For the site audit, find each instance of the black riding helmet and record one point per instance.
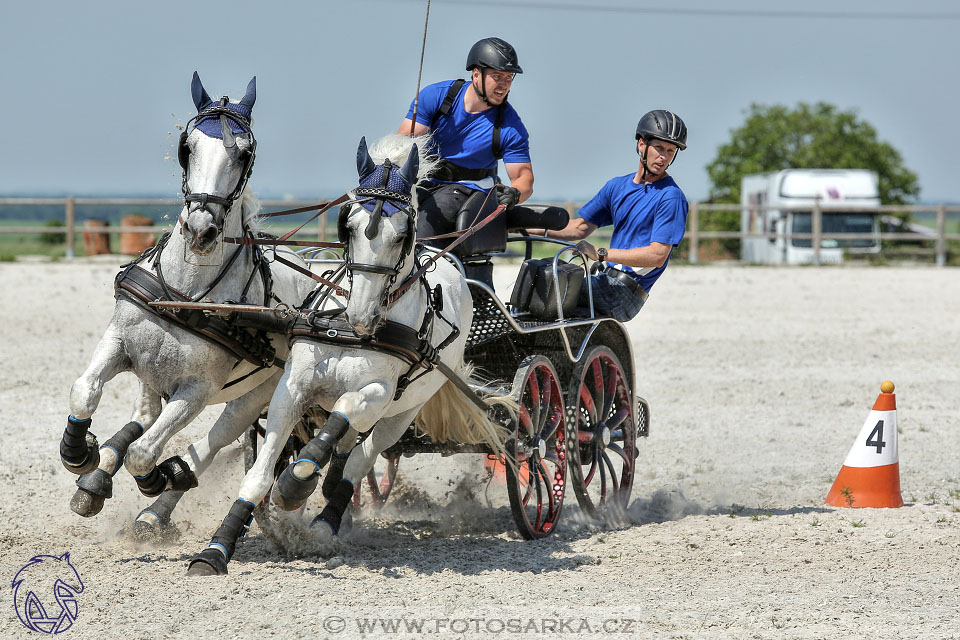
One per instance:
(663, 125)
(493, 53)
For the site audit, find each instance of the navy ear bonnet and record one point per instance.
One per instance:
(385, 177)
(385, 185)
(210, 125)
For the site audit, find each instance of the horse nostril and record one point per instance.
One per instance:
(209, 236)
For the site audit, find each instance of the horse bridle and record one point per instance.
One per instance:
(225, 114)
(403, 202)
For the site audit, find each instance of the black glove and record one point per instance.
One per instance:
(507, 195)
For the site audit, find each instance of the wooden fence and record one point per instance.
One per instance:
(695, 235)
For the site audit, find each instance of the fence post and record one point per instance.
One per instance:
(71, 221)
(941, 234)
(816, 229)
(694, 233)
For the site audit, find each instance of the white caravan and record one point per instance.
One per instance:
(782, 202)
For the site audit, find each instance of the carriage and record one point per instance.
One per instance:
(571, 373)
(346, 372)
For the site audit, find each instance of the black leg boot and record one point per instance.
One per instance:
(213, 560)
(79, 451)
(299, 480)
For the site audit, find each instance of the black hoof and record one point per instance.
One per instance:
(209, 562)
(99, 483)
(86, 504)
(290, 492)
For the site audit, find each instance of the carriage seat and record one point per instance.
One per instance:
(475, 251)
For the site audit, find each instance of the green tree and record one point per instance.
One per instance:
(815, 136)
(808, 137)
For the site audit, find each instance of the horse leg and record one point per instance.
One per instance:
(339, 460)
(94, 488)
(78, 446)
(237, 416)
(153, 521)
(141, 459)
(286, 408)
(299, 480)
(385, 434)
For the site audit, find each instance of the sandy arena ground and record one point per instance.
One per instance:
(759, 380)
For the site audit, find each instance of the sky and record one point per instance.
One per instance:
(94, 91)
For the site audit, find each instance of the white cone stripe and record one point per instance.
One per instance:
(877, 443)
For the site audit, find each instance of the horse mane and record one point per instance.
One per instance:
(396, 147)
(249, 208)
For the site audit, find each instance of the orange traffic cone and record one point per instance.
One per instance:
(870, 476)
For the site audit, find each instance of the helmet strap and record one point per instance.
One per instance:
(643, 159)
(483, 87)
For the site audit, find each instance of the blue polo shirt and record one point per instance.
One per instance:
(640, 214)
(466, 138)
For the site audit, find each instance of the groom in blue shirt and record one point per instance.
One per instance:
(648, 212)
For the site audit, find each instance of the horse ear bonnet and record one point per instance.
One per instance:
(365, 164)
(211, 125)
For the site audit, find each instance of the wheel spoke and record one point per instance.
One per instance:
(587, 404)
(547, 403)
(550, 426)
(603, 478)
(620, 452)
(523, 416)
(548, 485)
(527, 491)
(535, 401)
(618, 418)
(614, 480)
(535, 479)
(596, 369)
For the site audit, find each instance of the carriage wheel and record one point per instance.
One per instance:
(601, 434)
(536, 455)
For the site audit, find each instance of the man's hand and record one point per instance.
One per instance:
(507, 195)
(587, 249)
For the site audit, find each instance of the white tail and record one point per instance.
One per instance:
(449, 416)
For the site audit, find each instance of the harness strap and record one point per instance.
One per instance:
(340, 291)
(447, 104)
(392, 338)
(451, 96)
(497, 124)
(143, 288)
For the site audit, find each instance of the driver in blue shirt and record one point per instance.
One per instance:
(473, 126)
(648, 212)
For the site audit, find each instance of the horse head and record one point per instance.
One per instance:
(216, 155)
(379, 227)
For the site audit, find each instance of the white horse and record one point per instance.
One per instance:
(181, 357)
(358, 386)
